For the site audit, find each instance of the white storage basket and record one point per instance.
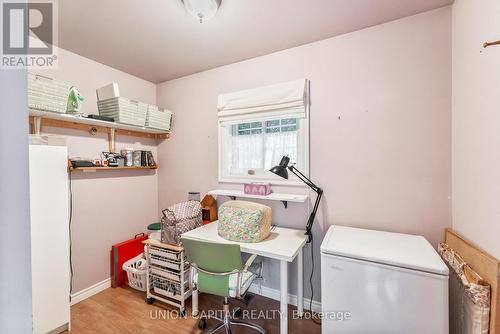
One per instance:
(165, 287)
(124, 110)
(136, 269)
(47, 94)
(158, 118)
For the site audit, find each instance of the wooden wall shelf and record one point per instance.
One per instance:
(39, 119)
(86, 124)
(284, 198)
(102, 169)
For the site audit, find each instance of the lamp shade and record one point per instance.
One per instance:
(202, 9)
(281, 169)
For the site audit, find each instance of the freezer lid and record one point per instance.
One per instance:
(396, 249)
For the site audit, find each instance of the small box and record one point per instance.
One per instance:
(108, 92)
(256, 188)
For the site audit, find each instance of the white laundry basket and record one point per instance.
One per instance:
(136, 272)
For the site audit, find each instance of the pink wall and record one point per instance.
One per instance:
(109, 207)
(476, 119)
(380, 127)
(385, 164)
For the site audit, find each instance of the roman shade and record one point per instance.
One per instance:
(287, 98)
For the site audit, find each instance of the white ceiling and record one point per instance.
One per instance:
(158, 40)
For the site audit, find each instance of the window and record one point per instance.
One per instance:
(258, 126)
(249, 148)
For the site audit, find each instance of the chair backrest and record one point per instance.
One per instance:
(215, 258)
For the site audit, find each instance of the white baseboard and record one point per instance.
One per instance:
(254, 288)
(90, 291)
(275, 294)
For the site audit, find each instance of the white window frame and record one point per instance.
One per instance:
(303, 148)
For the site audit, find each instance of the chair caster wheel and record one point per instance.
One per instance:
(202, 323)
(237, 312)
(150, 300)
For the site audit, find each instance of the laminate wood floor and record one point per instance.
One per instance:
(124, 310)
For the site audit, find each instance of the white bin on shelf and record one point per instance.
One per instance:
(47, 94)
(124, 110)
(108, 92)
(158, 118)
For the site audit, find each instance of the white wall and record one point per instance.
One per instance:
(15, 246)
(476, 123)
(380, 128)
(108, 207)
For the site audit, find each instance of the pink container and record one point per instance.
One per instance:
(254, 188)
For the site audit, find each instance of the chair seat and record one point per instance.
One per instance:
(246, 280)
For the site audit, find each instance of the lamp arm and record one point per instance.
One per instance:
(304, 178)
(319, 191)
(312, 216)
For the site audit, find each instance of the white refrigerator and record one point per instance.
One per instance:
(382, 283)
(49, 212)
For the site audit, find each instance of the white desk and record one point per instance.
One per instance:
(283, 244)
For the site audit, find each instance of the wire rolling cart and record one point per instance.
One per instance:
(167, 274)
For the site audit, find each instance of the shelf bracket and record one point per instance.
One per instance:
(37, 125)
(111, 139)
(487, 44)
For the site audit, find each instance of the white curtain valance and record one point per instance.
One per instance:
(263, 115)
(292, 95)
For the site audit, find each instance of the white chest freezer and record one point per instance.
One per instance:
(381, 282)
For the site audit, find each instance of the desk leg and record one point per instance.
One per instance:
(194, 302)
(284, 297)
(300, 284)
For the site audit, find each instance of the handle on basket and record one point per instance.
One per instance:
(139, 235)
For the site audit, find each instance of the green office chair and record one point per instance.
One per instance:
(217, 269)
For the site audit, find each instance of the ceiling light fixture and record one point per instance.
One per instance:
(202, 9)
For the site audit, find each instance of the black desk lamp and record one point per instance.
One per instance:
(281, 170)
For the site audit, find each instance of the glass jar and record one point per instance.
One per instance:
(137, 158)
(128, 154)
